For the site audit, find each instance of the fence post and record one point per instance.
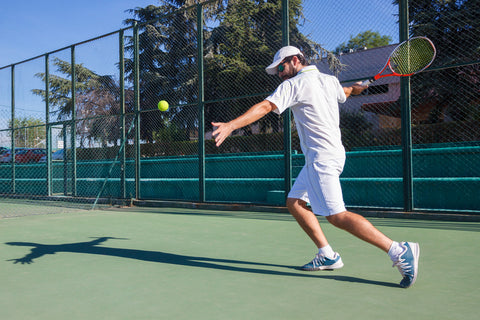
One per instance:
(12, 100)
(65, 159)
(48, 128)
(73, 136)
(287, 129)
(121, 67)
(406, 116)
(136, 88)
(201, 111)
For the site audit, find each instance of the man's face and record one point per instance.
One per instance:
(287, 70)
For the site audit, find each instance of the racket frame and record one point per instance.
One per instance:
(393, 73)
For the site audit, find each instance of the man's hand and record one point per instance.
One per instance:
(253, 114)
(354, 90)
(222, 132)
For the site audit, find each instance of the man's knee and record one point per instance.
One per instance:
(294, 204)
(291, 202)
(338, 219)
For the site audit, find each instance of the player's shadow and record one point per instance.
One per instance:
(92, 247)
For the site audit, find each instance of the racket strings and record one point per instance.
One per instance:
(412, 56)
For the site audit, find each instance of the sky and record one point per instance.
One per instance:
(33, 27)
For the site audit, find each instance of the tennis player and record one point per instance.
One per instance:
(313, 98)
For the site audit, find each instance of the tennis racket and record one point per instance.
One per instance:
(408, 58)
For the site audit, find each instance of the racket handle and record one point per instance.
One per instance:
(367, 82)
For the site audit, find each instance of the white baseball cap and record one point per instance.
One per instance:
(280, 55)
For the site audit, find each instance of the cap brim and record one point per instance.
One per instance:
(272, 69)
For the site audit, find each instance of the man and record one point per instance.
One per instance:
(313, 98)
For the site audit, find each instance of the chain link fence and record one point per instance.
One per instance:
(87, 114)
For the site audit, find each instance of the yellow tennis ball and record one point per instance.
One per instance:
(163, 105)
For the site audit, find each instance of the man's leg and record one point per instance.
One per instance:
(307, 220)
(326, 258)
(361, 228)
(404, 255)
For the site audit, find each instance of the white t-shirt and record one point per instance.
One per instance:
(313, 98)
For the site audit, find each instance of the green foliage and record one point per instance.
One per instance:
(60, 88)
(368, 39)
(96, 95)
(168, 133)
(167, 63)
(356, 130)
(30, 132)
(21, 122)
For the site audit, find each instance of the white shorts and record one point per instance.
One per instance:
(318, 183)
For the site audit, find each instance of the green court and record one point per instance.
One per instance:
(182, 263)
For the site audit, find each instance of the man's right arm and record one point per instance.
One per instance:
(256, 112)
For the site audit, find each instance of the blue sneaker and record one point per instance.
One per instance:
(407, 263)
(320, 262)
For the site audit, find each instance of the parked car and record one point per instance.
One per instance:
(3, 151)
(7, 156)
(57, 155)
(4, 155)
(30, 155)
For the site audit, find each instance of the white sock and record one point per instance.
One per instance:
(327, 251)
(395, 251)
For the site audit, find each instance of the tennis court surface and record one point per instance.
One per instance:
(177, 263)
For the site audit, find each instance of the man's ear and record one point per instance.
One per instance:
(295, 61)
